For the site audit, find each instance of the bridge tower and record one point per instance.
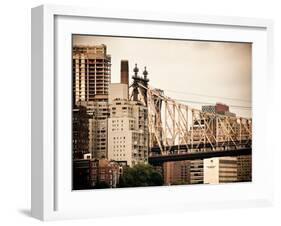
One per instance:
(142, 92)
(140, 85)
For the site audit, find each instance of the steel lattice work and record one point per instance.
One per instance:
(172, 123)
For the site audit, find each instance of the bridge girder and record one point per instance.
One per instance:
(172, 123)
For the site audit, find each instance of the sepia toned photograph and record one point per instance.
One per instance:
(160, 112)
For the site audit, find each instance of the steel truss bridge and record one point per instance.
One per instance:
(178, 131)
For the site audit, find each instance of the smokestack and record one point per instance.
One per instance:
(125, 72)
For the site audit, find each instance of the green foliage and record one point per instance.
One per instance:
(139, 176)
(101, 184)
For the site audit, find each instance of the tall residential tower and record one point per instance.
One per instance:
(91, 78)
(91, 73)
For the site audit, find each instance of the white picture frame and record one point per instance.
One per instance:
(52, 197)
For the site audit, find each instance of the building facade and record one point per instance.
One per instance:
(183, 172)
(196, 171)
(91, 73)
(220, 170)
(244, 168)
(96, 173)
(98, 112)
(104, 173)
(176, 173)
(128, 132)
(91, 78)
(219, 108)
(213, 126)
(127, 126)
(80, 135)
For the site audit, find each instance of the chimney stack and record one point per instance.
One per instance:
(125, 72)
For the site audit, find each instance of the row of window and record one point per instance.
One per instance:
(117, 129)
(117, 146)
(117, 138)
(117, 142)
(119, 155)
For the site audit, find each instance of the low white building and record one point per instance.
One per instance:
(220, 170)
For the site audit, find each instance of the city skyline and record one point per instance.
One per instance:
(205, 72)
(132, 128)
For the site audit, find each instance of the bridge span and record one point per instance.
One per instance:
(160, 159)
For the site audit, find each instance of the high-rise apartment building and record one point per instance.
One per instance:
(220, 170)
(127, 127)
(91, 78)
(91, 73)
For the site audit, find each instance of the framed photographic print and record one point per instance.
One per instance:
(136, 112)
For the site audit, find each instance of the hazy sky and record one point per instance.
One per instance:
(194, 71)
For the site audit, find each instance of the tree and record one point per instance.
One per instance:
(156, 179)
(101, 184)
(140, 175)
